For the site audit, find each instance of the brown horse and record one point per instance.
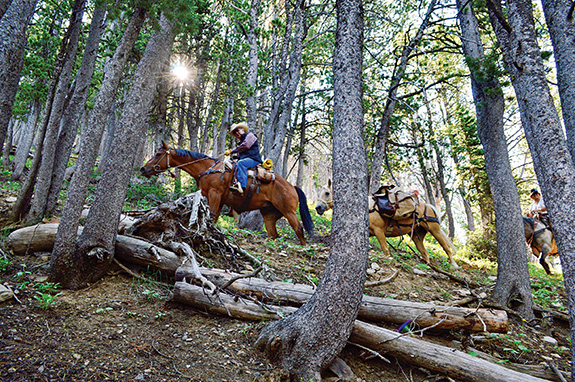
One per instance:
(424, 220)
(274, 200)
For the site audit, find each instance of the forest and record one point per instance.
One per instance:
(122, 226)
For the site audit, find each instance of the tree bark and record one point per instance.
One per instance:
(513, 288)
(459, 365)
(48, 151)
(13, 26)
(554, 168)
(562, 32)
(252, 76)
(22, 205)
(73, 113)
(5, 155)
(25, 141)
(4, 4)
(309, 340)
(276, 128)
(63, 254)
(95, 247)
(399, 71)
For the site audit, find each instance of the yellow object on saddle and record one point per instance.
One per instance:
(268, 164)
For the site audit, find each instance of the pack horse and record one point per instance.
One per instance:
(273, 197)
(423, 220)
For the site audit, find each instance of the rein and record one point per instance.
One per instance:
(158, 168)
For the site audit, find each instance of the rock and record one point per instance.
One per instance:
(419, 272)
(463, 292)
(40, 279)
(370, 271)
(492, 278)
(5, 293)
(482, 295)
(375, 266)
(11, 199)
(550, 340)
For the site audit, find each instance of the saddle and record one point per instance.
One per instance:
(261, 174)
(392, 202)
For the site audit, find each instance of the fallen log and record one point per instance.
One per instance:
(448, 361)
(133, 250)
(372, 308)
(41, 237)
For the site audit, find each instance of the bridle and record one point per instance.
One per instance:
(158, 169)
(328, 203)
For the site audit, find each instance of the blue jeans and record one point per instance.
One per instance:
(242, 168)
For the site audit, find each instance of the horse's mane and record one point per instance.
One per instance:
(192, 154)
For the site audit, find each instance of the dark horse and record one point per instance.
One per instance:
(274, 200)
(541, 240)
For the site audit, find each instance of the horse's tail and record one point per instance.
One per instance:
(304, 211)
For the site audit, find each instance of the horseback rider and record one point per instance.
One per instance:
(248, 152)
(537, 209)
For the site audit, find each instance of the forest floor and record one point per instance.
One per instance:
(125, 329)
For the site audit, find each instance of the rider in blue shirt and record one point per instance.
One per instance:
(248, 152)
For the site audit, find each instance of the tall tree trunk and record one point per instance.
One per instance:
(513, 288)
(63, 255)
(562, 32)
(13, 26)
(4, 4)
(58, 104)
(213, 100)
(399, 71)
(108, 131)
(221, 133)
(95, 247)
(25, 142)
(468, 211)
(301, 157)
(5, 158)
(252, 76)
(279, 80)
(440, 169)
(72, 114)
(20, 208)
(292, 81)
(309, 340)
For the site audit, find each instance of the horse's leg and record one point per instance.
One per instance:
(215, 203)
(435, 230)
(270, 219)
(296, 225)
(377, 228)
(545, 249)
(417, 238)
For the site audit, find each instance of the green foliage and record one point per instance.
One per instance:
(47, 287)
(480, 247)
(546, 289)
(46, 300)
(5, 263)
(146, 194)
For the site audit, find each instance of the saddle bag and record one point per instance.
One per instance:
(261, 174)
(392, 202)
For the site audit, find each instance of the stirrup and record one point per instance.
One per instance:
(237, 187)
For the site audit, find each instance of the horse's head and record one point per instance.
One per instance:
(324, 199)
(160, 162)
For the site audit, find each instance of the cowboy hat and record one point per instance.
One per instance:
(241, 125)
(533, 192)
